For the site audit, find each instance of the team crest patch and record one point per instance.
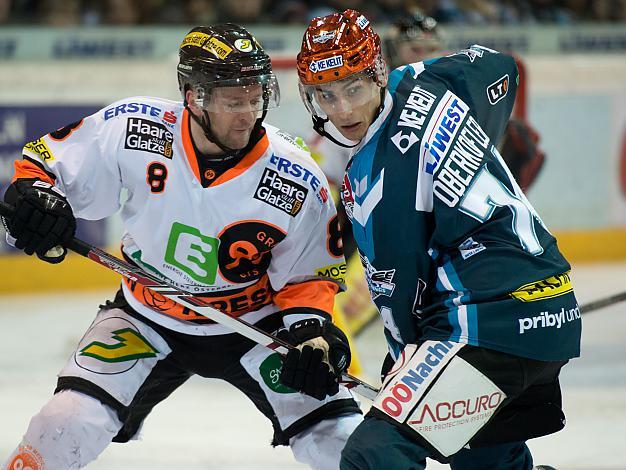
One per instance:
(279, 192)
(149, 136)
(380, 282)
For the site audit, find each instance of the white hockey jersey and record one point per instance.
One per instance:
(262, 237)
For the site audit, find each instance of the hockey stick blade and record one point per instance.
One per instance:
(195, 303)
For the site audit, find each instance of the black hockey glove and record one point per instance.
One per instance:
(43, 222)
(321, 355)
(520, 150)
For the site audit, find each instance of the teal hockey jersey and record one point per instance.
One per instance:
(452, 248)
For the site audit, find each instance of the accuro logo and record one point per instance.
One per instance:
(326, 64)
(466, 409)
(498, 89)
(281, 193)
(149, 136)
(553, 286)
(549, 320)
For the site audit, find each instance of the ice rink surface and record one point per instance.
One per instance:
(210, 425)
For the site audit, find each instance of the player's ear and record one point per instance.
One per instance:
(190, 98)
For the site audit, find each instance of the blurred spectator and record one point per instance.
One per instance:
(460, 12)
(200, 12)
(241, 11)
(60, 12)
(121, 12)
(5, 11)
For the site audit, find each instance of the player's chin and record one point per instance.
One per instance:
(239, 139)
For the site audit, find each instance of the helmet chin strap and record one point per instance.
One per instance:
(318, 123)
(318, 126)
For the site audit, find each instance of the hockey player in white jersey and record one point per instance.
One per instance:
(218, 204)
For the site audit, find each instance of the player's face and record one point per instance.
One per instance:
(233, 113)
(350, 104)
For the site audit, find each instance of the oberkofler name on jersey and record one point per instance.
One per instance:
(459, 168)
(149, 136)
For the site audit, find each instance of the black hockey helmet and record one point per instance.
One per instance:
(416, 29)
(225, 55)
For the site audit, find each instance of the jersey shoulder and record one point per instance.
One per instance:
(291, 156)
(168, 112)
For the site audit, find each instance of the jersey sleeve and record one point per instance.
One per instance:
(307, 267)
(81, 160)
(486, 80)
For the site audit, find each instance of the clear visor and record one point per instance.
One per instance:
(341, 96)
(240, 95)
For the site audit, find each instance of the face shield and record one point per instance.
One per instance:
(340, 96)
(239, 95)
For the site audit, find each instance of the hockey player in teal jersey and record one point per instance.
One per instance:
(479, 311)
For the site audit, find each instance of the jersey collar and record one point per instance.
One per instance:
(377, 124)
(246, 162)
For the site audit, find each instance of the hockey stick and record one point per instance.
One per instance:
(601, 303)
(195, 303)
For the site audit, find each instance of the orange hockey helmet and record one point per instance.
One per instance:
(337, 46)
(336, 49)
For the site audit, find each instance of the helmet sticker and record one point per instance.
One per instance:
(362, 22)
(326, 64)
(195, 38)
(243, 45)
(324, 36)
(218, 48)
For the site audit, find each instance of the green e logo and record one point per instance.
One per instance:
(192, 252)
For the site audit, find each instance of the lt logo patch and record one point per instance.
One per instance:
(130, 345)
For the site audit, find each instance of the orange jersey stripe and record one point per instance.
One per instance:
(251, 157)
(234, 303)
(318, 294)
(188, 145)
(27, 169)
(246, 162)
